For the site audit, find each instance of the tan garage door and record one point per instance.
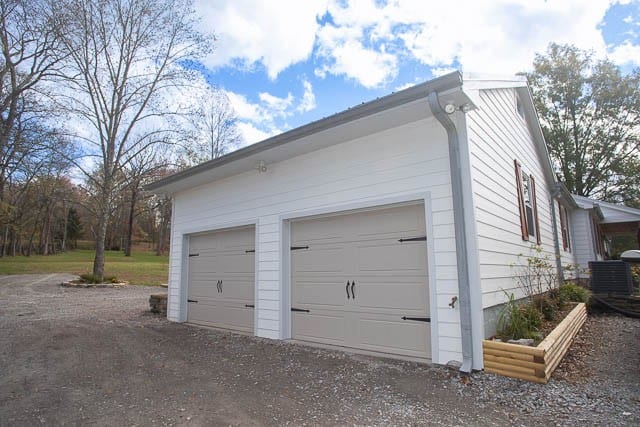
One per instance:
(222, 279)
(359, 280)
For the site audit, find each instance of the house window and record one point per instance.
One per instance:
(526, 188)
(564, 227)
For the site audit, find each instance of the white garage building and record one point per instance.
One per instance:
(389, 228)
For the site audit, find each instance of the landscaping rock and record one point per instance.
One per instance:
(158, 303)
(523, 341)
(81, 284)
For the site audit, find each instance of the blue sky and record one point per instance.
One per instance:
(285, 63)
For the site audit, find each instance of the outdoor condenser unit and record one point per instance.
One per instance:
(611, 277)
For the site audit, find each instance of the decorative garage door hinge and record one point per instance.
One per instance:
(191, 300)
(295, 248)
(249, 305)
(299, 309)
(414, 239)
(190, 255)
(249, 251)
(417, 319)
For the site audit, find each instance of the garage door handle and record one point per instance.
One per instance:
(219, 285)
(418, 319)
(347, 288)
(353, 291)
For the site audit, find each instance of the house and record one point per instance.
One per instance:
(595, 223)
(390, 228)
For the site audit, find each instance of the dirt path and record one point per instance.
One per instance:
(95, 356)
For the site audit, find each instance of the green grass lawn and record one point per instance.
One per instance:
(142, 268)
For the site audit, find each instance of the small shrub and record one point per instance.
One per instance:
(557, 298)
(518, 321)
(90, 278)
(574, 293)
(635, 276)
(547, 305)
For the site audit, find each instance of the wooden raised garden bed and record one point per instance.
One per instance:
(534, 363)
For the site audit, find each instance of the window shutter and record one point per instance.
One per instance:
(563, 227)
(566, 227)
(523, 215)
(534, 202)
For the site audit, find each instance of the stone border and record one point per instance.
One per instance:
(79, 284)
(534, 364)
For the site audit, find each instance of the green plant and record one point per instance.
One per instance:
(518, 321)
(537, 274)
(547, 304)
(572, 292)
(635, 274)
(90, 278)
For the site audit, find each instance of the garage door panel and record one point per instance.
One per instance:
(237, 263)
(318, 294)
(236, 317)
(204, 311)
(395, 336)
(239, 288)
(327, 328)
(406, 298)
(319, 259)
(203, 288)
(396, 257)
(318, 231)
(398, 222)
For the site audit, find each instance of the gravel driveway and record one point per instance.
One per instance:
(96, 356)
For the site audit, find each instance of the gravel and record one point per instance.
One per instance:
(96, 356)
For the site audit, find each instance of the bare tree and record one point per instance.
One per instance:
(140, 171)
(214, 129)
(125, 56)
(29, 54)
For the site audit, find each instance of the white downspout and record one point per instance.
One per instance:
(464, 297)
(556, 242)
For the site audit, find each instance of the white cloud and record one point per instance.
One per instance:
(258, 120)
(308, 101)
(251, 134)
(344, 54)
(276, 104)
(494, 36)
(369, 40)
(276, 34)
(626, 53)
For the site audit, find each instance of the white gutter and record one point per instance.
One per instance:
(462, 258)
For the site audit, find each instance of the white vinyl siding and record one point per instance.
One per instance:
(498, 135)
(407, 160)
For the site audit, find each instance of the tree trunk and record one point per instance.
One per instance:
(63, 245)
(98, 262)
(132, 210)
